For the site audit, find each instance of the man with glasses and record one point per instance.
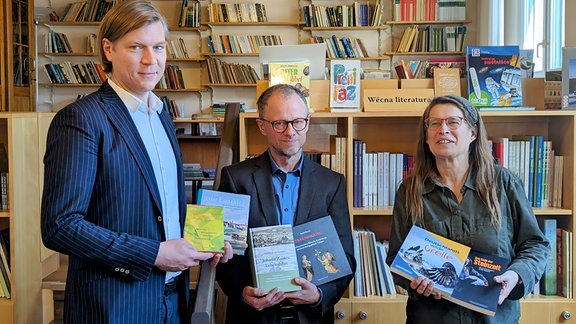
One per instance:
(285, 188)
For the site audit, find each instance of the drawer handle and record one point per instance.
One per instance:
(566, 315)
(363, 315)
(340, 314)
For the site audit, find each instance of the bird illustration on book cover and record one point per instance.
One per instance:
(445, 275)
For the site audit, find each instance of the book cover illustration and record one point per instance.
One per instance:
(425, 254)
(293, 73)
(236, 212)
(345, 85)
(273, 258)
(569, 77)
(476, 288)
(319, 251)
(494, 76)
(204, 227)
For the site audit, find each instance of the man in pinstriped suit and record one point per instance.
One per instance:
(114, 197)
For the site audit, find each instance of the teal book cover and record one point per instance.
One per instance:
(236, 210)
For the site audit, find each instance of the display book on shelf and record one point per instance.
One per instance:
(557, 126)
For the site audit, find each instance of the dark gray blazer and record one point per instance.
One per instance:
(322, 192)
(101, 206)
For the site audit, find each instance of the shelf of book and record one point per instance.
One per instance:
(558, 126)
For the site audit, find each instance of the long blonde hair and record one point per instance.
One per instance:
(479, 157)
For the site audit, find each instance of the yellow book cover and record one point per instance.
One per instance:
(447, 81)
(204, 227)
(293, 73)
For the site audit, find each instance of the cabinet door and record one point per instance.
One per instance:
(20, 67)
(376, 312)
(562, 312)
(343, 312)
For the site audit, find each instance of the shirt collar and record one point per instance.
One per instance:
(275, 168)
(469, 183)
(133, 103)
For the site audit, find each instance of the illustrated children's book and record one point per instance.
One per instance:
(320, 254)
(236, 211)
(273, 258)
(204, 227)
(494, 76)
(345, 85)
(293, 73)
(476, 288)
(460, 274)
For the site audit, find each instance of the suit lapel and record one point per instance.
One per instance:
(263, 184)
(306, 194)
(118, 116)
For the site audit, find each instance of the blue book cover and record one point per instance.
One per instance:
(236, 211)
(548, 283)
(531, 139)
(320, 253)
(538, 169)
(494, 76)
(476, 288)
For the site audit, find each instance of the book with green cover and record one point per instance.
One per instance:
(273, 258)
(204, 227)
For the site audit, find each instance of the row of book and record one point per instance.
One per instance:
(4, 201)
(557, 277)
(429, 10)
(81, 73)
(241, 43)
(372, 276)
(176, 48)
(55, 42)
(357, 14)
(189, 14)
(90, 10)
(535, 162)
(176, 77)
(342, 47)
(5, 274)
(237, 12)
(421, 69)
(432, 39)
(221, 72)
(377, 175)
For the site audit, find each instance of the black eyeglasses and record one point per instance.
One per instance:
(280, 125)
(453, 122)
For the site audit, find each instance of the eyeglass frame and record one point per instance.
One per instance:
(444, 121)
(288, 122)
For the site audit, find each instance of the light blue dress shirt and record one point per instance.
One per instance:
(286, 187)
(147, 120)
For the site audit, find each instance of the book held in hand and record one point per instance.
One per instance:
(311, 250)
(320, 253)
(236, 210)
(460, 274)
(273, 258)
(204, 227)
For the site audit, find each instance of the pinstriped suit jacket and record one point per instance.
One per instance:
(322, 192)
(101, 206)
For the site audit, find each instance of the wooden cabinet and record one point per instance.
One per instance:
(20, 134)
(395, 132)
(18, 60)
